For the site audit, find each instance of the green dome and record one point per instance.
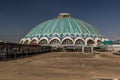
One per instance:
(63, 26)
(64, 30)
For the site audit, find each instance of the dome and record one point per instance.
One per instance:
(61, 28)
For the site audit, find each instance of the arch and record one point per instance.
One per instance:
(35, 38)
(43, 42)
(43, 39)
(34, 41)
(79, 41)
(55, 42)
(54, 39)
(67, 38)
(67, 41)
(27, 41)
(22, 41)
(98, 41)
(90, 41)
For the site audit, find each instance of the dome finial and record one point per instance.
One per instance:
(61, 15)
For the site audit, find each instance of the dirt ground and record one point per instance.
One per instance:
(62, 66)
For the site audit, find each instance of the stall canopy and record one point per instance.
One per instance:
(107, 42)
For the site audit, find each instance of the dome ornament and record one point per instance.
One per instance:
(61, 15)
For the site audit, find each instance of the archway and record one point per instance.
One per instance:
(33, 42)
(22, 42)
(26, 42)
(79, 42)
(54, 42)
(90, 42)
(99, 42)
(67, 42)
(43, 42)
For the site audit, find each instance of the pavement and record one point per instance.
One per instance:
(62, 66)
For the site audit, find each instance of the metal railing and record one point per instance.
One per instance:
(14, 51)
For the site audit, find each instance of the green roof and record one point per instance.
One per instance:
(65, 26)
(107, 42)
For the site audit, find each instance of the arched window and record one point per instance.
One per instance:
(99, 42)
(43, 42)
(33, 42)
(26, 42)
(54, 42)
(90, 42)
(67, 42)
(21, 42)
(79, 42)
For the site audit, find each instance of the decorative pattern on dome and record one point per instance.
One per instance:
(64, 30)
(62, 27)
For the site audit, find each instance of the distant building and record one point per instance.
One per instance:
(64, 30)
(112, 45)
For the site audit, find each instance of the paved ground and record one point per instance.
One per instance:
(61, 66)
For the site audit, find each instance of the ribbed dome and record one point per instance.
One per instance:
(64, 30)
(64, 26)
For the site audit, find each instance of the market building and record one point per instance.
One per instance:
(64, 30)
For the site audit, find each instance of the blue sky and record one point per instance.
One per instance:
(18, 17)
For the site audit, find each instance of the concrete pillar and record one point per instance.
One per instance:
(92, 49)
(83, 51)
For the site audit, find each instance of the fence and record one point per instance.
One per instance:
(14, 51)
